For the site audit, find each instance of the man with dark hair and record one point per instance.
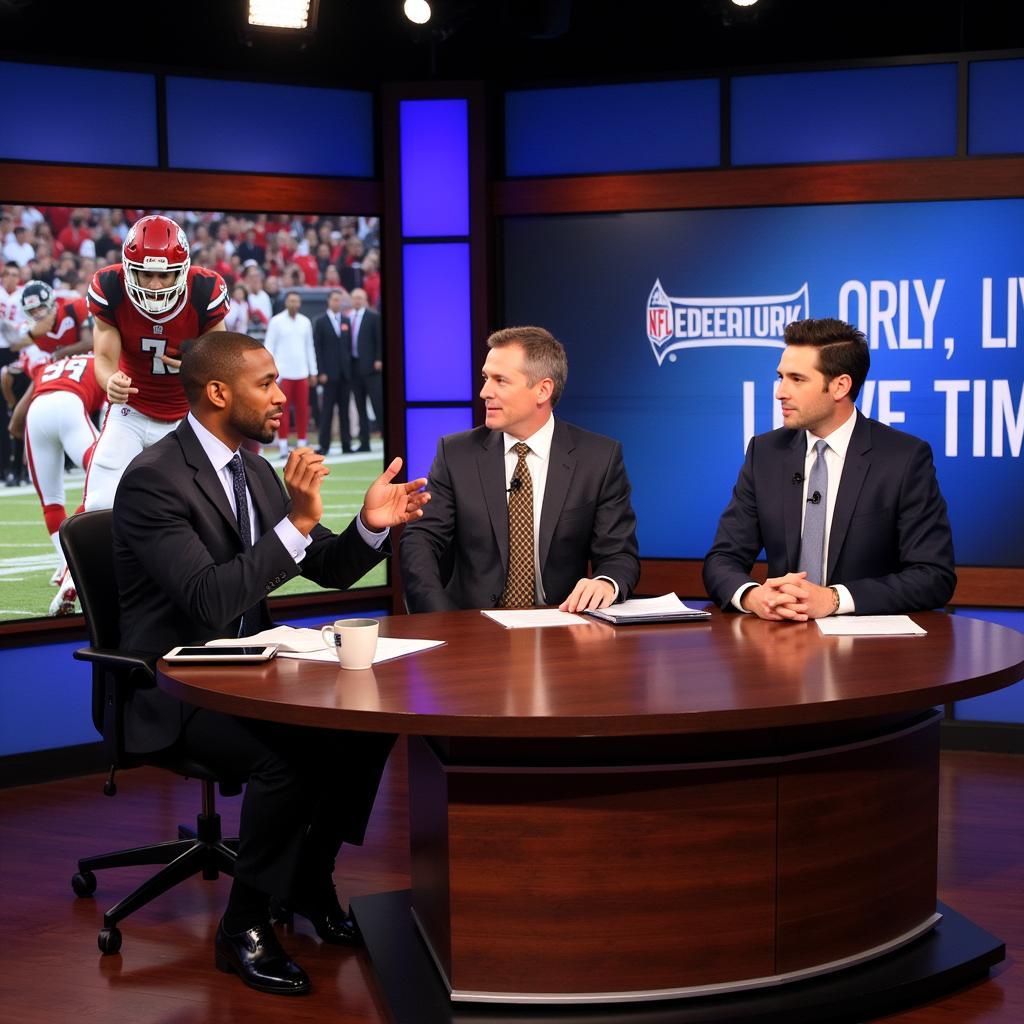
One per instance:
(527, 509)
(332, 339)
(848, 511)
(203, 531)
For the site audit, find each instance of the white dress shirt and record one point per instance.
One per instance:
(290, 341)
(835, 460)
(294, 541)
(538, 459)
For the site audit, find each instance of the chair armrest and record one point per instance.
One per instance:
(126, 661)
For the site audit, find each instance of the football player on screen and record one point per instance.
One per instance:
(55, 418)
(145, 308)
(60, 326)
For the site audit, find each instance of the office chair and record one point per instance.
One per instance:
(88, 545)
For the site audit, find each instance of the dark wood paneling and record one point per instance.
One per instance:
(53, 184)
(611, 881)
(857, 848)
(428, 846)
(888, 181)
(977, 587)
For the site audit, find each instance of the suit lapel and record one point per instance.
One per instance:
(206, 478)
(792, 496)
(261, 500)
(491, 464)
(855, 469)
(561, 466)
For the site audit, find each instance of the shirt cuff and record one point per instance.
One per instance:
(295, 541)
(375, 540)
(615, 586)
(846, 605)
(738, 597)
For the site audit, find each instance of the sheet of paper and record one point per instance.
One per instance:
(532, 618)
(664, 605)
(388, 648)
(870, 625)
(288, 638)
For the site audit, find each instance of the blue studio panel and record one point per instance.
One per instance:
(423, 427)
(299, 130)
(1003, 705)
(98, 137)
(434, 141)
(46, 697)
(612, 128)
(862, 114)
(995, 119)
(438, 328)
(673, 326)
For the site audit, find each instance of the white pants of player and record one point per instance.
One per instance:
(57, 424)
(126, 432)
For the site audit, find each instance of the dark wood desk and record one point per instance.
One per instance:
(663, 812)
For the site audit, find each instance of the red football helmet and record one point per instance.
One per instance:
(155, 245)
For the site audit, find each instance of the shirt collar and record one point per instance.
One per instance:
(216, 450)
(839, 439)
(539, 441)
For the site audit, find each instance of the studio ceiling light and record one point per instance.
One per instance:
(298, 15)
(417, 11)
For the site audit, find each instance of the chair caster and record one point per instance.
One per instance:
(109, 941)
(84, 883)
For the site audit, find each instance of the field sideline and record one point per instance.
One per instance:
(27, 558)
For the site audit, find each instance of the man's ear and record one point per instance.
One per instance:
(545, 389)
(840, 386)
(218, 394)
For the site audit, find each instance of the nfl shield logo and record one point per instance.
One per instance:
(659, 315)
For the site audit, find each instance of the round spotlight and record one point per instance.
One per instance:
(417, 11)
(744, 3)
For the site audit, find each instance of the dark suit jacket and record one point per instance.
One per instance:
(371, 341)
(586, 517)
(890, 543)
(333, 351)
(181, 571)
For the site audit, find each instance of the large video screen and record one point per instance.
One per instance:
(673, 324)
(262, 257)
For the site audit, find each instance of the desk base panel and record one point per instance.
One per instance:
(955, 952)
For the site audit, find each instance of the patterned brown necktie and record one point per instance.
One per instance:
(519, 590)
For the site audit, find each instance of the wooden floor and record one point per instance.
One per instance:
(52, 972)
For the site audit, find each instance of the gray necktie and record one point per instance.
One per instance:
(251, 618)
(812, 545)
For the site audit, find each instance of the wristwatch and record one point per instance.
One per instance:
(835, 601)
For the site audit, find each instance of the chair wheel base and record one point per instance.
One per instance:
(83, 883)
(109, 941)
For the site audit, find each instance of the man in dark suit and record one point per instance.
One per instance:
(521, 505)
(332, 339)
(367, 364)
(848, 511)
(203, 532)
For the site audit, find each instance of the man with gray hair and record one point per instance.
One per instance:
(526, 510)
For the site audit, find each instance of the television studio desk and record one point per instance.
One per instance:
(738, 817)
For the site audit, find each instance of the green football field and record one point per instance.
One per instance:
(27, 557)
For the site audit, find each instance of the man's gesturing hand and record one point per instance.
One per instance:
(303, 473)
(119, 387)
(389, 504)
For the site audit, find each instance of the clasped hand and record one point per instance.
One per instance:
(789, 598)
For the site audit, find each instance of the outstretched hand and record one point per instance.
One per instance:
(390, 504)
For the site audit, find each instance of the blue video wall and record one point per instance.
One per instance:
(673, 324)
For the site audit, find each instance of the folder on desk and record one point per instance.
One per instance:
(667, 608)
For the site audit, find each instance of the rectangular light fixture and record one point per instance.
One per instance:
(297, 15)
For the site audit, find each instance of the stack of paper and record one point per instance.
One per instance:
(532, 618)
(870, 625)
(667, 608)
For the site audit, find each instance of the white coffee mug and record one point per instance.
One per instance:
(353, 640)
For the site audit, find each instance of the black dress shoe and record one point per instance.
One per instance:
(257, 958)
(329, 921)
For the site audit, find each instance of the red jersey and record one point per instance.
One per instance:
(144, 339)
(72, 316)
(72, 373)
